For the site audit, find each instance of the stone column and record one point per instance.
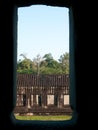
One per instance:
(60, 100)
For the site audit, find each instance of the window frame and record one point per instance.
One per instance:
(38, 124)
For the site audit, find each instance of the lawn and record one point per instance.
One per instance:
(44, 118)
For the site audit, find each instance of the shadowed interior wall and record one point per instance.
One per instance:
(83, 36)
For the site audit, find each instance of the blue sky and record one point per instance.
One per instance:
(42, 29)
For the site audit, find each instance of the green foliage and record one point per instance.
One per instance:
(64, 61)
(49, 70)
(44, 65)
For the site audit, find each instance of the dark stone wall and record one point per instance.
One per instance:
(84, 18)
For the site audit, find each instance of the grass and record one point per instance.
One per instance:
(44, 118)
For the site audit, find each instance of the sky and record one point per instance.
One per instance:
(41, 30)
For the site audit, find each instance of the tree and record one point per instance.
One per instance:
(37, 62)
(24, 65)
(64, 61)
(23, 55)
(48, 59)
(44, 65)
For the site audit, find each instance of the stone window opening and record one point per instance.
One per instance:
(14, 45)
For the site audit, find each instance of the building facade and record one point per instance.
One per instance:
(43, 94)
